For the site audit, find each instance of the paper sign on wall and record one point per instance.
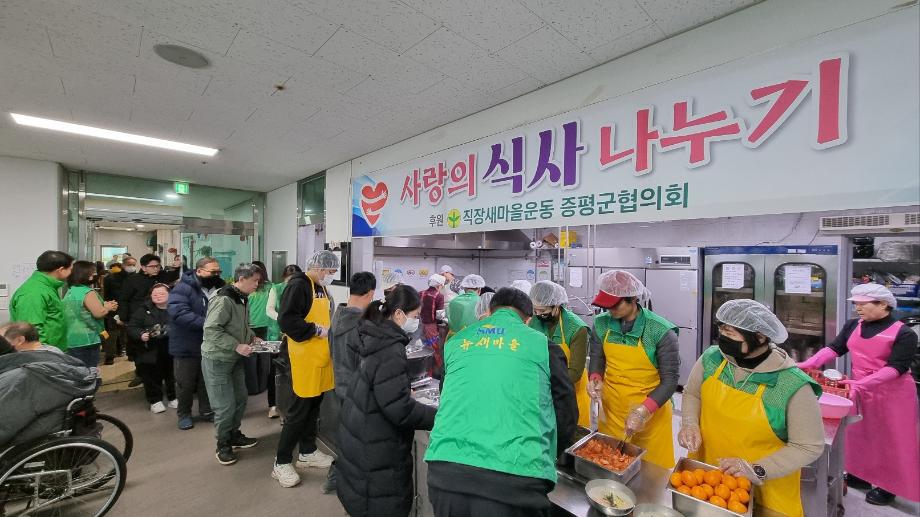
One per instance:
(575, 277)
(798, 279)
(732, 276)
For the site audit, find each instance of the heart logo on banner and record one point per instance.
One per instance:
(373, 199)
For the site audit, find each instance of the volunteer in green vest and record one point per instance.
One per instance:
(495, 458)
(634, 367)
(258, 302)
(748, 409)
(272, 306)
(38, 299)
(461, 311)
(564, 328)
(84, 313)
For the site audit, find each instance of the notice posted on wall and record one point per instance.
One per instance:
(576, 275)
(798, 279)
(732, 276)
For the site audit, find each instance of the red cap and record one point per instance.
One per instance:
(605, 300)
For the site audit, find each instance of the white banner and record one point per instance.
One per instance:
(830, 123)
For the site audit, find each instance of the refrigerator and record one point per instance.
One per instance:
(798, 283)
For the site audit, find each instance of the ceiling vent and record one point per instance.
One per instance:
(871, 223)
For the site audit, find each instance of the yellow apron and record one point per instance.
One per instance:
(629, 377)
(311, 362)
(581, 387)
(734, 425)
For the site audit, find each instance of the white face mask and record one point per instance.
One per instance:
(130, 269)
(410, 325)
(326, 281)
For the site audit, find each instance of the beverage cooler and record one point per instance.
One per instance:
(798, 283)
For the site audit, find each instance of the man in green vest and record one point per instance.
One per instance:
(493, 446)
(38, 299)
(461, 311)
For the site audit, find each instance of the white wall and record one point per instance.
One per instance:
(28, 218)
(281, 223)
(135, 241)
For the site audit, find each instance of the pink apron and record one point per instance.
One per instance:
(884, 448)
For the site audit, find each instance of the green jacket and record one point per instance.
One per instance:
(257, 303)
(461, 312)
(82, 328)
(496, 408)
(226, 325)
(38, 301)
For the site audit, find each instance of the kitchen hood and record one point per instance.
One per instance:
(511, 240)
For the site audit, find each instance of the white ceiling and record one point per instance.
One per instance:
(358, 74)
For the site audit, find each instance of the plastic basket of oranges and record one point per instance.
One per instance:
(705, 491)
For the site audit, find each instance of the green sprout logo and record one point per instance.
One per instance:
(453, 218)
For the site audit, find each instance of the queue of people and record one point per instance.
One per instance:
(747, 406)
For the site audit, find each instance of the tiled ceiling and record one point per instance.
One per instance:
(357, 75)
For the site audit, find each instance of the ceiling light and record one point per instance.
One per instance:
(129, 229)
(172, 196)
(140, 226)
(129, 198)
(78, 129)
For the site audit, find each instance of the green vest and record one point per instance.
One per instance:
(38, 301)
(570, 322)
(257, 303)
(461, 312)
(274, 331)
(82, 328)
(781, 385)
(648, 326)
(496, 409)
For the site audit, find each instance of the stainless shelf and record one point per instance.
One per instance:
(805, 332)
(816, 294)
(749, 290)
(880, 261)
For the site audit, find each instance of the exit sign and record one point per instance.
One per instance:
(181, 187)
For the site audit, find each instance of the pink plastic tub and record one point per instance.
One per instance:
(834, 406)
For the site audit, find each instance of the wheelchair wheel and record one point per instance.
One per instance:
(116, 433)
(72, 476)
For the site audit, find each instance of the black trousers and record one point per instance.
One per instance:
(156, 374)
(190, 382)
(455, 504)
(299, 428)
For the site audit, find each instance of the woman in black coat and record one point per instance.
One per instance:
(379, 418)
(148, 330)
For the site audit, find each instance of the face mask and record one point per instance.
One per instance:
(130, 269)
(326, 281)
(546, 318)
(730, 347)
(410, 326)
(210, 282)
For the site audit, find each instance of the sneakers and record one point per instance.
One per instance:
(174, 403)
(240, 441)
(225, 454)
(135, 382)
(185, 423)
(286, 475)
(157, 407)
(330, 485)
(273, 412)
(315, 459)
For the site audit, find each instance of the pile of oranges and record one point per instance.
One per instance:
(722, 490)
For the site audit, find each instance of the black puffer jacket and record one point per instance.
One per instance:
(378, 423)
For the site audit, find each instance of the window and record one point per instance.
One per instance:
(311, 194)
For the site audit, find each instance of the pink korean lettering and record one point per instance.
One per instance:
(641, 155)
(696, 134)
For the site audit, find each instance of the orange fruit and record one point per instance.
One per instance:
(700, 476)
(718, 501)
(723, 491)
(713, 478)
(709, 490)
(730, 482)
(684, 489)
(737, 507)
(733, 497)
(688, 478)
(698, 493)
(743, 495)
(676, 481)
(744, 483)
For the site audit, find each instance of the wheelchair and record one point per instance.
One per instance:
(73, 472)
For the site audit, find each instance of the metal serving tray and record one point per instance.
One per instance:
(591, 470)
(693, 507)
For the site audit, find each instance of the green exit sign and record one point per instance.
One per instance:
(181, 187)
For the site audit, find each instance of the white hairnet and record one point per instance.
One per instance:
(548, 294)
(752, 316)
(473, 282)
(873, 293)
(482, 306)
(623, 284)
(323, 260)
(447, 269)
(391, 279)
(522, 285)
(436, 280)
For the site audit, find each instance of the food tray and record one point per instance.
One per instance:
(591, 470)
(267, 347)
(839, 390)
(693, 507)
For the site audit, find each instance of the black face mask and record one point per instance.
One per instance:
(546, 318)
(730, 347)
(210, 282)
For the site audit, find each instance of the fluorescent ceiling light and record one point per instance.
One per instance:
(172, 196)
(129, 198)
(108, 134)
(140, 226)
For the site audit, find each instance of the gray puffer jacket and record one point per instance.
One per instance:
(35, 389)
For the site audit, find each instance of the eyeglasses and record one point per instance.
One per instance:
(152, 266)
(213, 272)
